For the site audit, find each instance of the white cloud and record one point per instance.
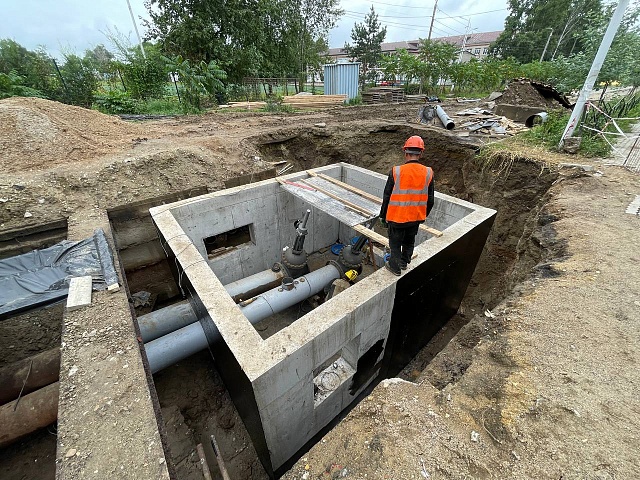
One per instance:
(410, 19)
(76, 25)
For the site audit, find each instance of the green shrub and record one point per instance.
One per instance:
(412, 89)
(355, 101)
(12, 85)
(117, 102)
(550, 133)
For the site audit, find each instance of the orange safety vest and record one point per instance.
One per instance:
(408, 202)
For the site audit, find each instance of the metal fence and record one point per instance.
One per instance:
(632, 162)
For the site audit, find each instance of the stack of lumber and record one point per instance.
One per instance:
(383, 95)
(247, 105)
(314, 101)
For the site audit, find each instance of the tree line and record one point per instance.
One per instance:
(209, 47)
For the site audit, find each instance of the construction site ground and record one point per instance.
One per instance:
(536, 377)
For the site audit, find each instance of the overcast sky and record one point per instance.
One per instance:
(76, 25)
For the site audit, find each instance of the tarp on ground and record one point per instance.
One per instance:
(41, 277)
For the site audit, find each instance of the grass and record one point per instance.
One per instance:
(549, 134)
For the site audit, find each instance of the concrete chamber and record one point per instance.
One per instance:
(367, 332)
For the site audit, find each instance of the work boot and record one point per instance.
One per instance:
(403, 266)
(388, 266)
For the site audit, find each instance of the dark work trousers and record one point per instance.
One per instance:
(401, 243)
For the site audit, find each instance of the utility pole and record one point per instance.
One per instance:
(135, 26)
(433, 17)
(546, 44)
(614, 24)
(467, 33)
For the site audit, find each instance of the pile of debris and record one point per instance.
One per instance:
(485, 122)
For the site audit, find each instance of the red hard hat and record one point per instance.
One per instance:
(414, 143)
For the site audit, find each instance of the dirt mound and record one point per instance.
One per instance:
(37, 134)
(522, 92)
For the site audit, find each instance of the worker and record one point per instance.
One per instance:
(407, 200)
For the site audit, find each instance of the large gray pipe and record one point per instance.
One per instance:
(168, 319)
(279, 299)
(444, 118)
(186, 341)
(255, 284)
(169, 349)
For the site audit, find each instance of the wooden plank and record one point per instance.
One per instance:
(353, 206)
(376, 237)
(346, 186)
(79, 293)
(344, 195)
(325, 203)
(250, 178)
(432, 231)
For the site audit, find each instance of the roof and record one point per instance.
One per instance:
(480, 38)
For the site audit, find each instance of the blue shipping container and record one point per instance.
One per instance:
(341, 78)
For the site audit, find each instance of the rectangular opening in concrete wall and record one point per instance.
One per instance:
(335, 373)
(330, 337)
(224, 242)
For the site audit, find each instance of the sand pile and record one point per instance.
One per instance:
(37, 134)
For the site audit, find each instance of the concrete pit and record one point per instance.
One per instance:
(194, 398)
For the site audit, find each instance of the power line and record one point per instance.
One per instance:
(418, 28)
(429, 8)
(452, 18)
(387, 16)
(448, 27)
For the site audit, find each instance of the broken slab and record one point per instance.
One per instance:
(517, 113)
(79, 293)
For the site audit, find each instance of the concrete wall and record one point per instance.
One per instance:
(350, 334)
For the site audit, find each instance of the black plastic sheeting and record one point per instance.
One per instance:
(41, 277)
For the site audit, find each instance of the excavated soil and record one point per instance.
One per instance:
(521, 92)
(534, 378)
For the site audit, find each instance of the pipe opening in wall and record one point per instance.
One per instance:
(224, 242)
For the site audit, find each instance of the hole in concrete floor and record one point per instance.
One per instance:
(191, 392)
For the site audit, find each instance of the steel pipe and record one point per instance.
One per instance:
(35, 410)
(253, 285)
(169, 349)
(169, 319)
(444, 118)
(184, 342)
(279, 299)
(166, 320)
(29, 375)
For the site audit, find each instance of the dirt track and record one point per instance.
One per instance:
(549, 385)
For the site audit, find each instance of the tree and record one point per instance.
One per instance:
(100, 58)
(197, 80)
(437, 58)
(80, 81)
(530, 22)
(35, 68)
(13, 85)
(621, 57)
(367, 40)
(244, 37)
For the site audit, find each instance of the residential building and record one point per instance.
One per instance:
(476, 45)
